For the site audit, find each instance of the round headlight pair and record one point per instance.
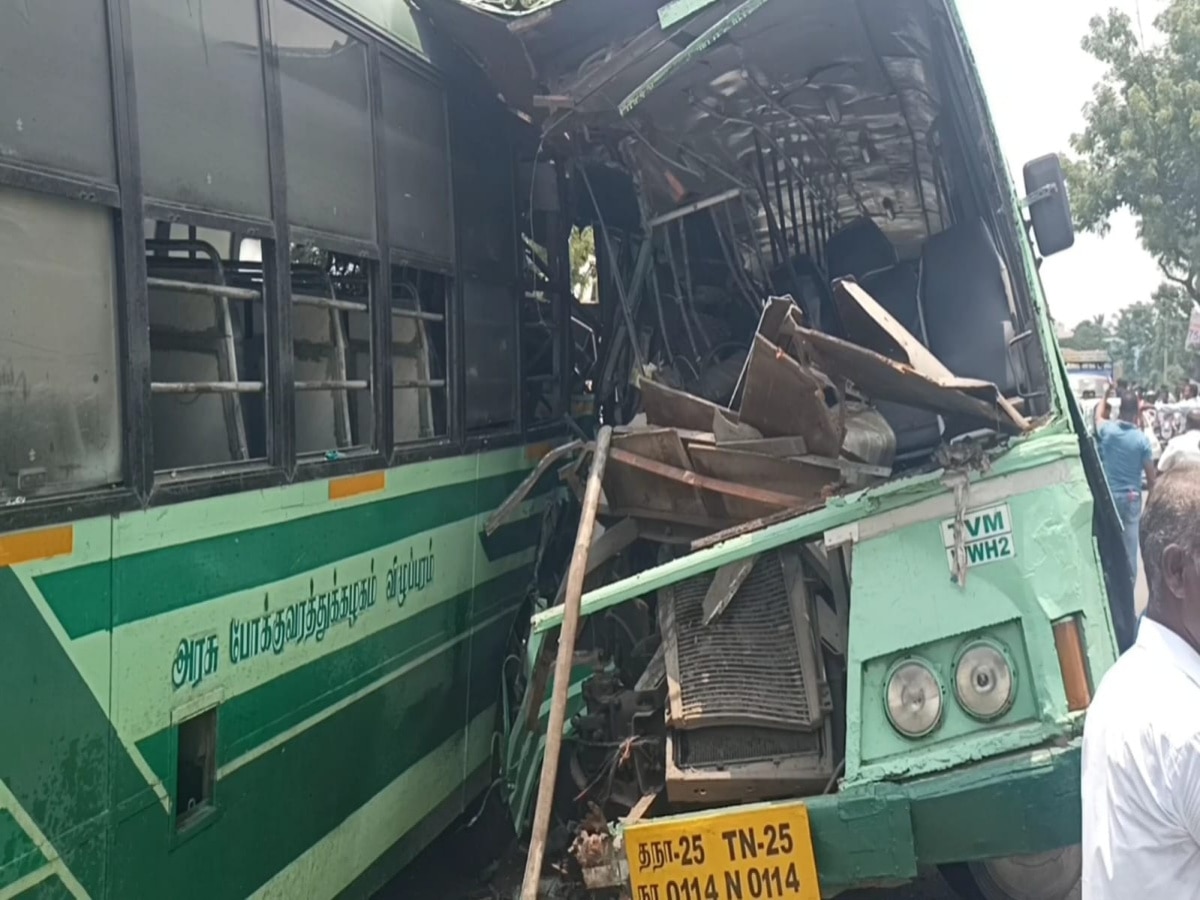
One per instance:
(983, 680)
(983, 685)
(914, 698)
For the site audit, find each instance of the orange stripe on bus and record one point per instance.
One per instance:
(341, 488)
(535, 452)
(27, 546)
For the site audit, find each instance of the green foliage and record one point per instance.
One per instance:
(583, 262)
(1148, 339)
(1094, 334)
(1141, 147)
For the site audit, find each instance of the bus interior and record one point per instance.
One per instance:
(760, 150)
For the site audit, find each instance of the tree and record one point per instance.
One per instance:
(1148, 340)
(583, 263)
(1093, 334)
(1141, 146)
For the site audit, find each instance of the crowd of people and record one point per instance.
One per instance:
(1141, 433)
(1141, 749)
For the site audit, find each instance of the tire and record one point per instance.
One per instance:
(1056, 875)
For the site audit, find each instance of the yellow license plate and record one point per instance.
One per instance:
(732, 855)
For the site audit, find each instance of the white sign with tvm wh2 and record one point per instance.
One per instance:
(987, 536)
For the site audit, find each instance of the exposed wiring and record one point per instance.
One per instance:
(470, 823)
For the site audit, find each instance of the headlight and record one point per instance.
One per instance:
(983, 681)
(914, 698)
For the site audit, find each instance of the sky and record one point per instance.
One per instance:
(1037, 79)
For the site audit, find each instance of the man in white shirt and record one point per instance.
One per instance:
(1141, 741)
(1185, 446)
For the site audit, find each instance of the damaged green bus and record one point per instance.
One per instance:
(297, 295)
(851, 593)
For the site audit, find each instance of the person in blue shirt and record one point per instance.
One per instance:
(1126, 456)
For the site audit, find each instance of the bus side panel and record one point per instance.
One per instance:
(58, 750)
(503, 564)
(330, 637)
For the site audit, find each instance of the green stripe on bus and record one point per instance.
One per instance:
(58, 769)
(19, 855)
(250, 719)
(368, 882)
(511, 537)
(309, 784)
(49, 888)
(88, 598)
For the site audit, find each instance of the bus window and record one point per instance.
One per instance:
(545, 281)
(484, 190)
(489, 352)
(416, 157)
(59, 413)
(331, 338)
(207, 348)
(419, 351)
(328, 150)
(201, 105)
(55, 107)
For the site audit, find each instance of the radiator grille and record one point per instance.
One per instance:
(749, 667)
(730, 745)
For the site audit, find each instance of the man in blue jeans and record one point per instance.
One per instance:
(1126, 455)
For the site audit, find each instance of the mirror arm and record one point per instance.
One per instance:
(1043, 193)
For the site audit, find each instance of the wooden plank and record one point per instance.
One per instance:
(716, 485)
(563, 663)
(869, 325)
(886, 379)
(783, 398)
(846, 466)
(720, 537)
(872, 328)
(724, 587)
(506, 509)
(727, 429)
(640, 809)
(607, 545)
(776, 446)
(804, 483)
(685, 434)
(703, 523)
(678, 409)
(627, 486)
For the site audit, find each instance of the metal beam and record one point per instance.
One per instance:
(717, 30)
(693, 207)
(676, 11)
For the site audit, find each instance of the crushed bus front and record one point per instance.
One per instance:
(845, 610)
(867, 795)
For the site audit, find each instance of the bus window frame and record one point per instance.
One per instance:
(139, 487)
(511, 433)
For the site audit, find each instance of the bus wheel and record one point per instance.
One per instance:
(1056, 875)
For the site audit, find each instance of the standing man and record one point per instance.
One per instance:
(1126, 455)
(1183, 447)
(1141, 740)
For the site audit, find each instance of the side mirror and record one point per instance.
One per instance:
(1049, 207)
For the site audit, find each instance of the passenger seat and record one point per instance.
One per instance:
(966, 298)
(863, 251)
